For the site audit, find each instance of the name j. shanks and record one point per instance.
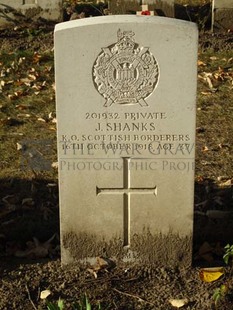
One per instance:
(125, 126)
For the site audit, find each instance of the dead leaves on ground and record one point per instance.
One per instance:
(178, 303)
(26, 75)
(11, 203)
(102, 264)
(226, 184)
(44, 294)
(105, 265)
(214, 79)
(36, 249)
(213, 198)
(215, 83)
(211, 274)
(14, 209)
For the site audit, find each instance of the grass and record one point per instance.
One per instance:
(27, 99)
(215, 113)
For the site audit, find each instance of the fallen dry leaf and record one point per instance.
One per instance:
(213, 58)
(200, 178)
(23, 115)
(36, 57)
(205, 149)
(52, 117)
(19, 146)
(102, 264)
(227, 183)
(211, 274)
(205, 93)
(52, 128)
(40, 119)
(22, 106)
(178, 303)
(221, 145)
(36, 249)
(28, 202)
(44, 294)
(54, 165)
(10, 200)
(201, 63)
(51, 185)
(92, 272)
(32, 77)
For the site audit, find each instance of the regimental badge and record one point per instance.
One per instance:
(124, 72)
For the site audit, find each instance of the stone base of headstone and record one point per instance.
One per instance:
(160, 250)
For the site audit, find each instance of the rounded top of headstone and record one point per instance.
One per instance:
(125, 19)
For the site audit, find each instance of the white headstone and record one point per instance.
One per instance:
(126, 89)
(222, 15)
(223, 4)
(166, 6)
(51, 10)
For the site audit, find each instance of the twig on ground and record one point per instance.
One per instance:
(29, 297)
(133, 296)
(38, 295)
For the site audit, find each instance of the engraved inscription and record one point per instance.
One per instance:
(124, 72)
(126, 191)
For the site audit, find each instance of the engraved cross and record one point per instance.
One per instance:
(126, 191)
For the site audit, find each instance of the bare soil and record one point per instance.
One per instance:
(29, 199)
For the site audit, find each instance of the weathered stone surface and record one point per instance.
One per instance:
(126, 88)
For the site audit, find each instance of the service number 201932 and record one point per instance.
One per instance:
(100, 116)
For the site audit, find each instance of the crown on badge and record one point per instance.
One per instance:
(125, 41)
